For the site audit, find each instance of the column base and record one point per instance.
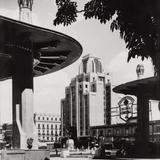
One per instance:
(25, 154)
(25, 139)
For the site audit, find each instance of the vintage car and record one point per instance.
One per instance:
(109, 150)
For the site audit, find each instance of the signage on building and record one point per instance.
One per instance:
(126, 107)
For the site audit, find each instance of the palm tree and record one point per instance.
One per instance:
(138, 22)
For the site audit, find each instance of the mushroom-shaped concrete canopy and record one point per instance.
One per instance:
(148, 87)
(51, 50)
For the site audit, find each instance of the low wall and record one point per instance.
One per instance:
(24, 155)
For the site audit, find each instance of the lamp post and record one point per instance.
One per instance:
(140, 71)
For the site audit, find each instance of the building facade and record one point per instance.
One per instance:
(84, 104)
(126, 131)
(48, 127)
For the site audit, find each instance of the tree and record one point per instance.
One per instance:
(137, 21)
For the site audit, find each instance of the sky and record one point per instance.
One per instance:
(96, 40)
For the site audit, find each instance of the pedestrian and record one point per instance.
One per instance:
(56, 151)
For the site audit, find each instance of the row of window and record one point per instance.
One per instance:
(48, 138)
(49, 131)
(51, 126)
(93, 87)
(53, 134)
(87, 79)
(49, 118)
(118, 131)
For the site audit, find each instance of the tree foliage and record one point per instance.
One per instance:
(67, 12)
(138, 22)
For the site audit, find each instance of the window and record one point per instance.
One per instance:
(94, 132)
(86, 86)
(87, 79)
(39, 126)
(101, 132)
(55, 119)
(85, 65)
(100, 78)
(43, 126)
(109, 132)
(47, 126)
(51, 126)
(127, 131)
(47, 118)
(80, 79)
(43, 118)
(93, 87)
(38, 118)
(117, 131)
(157, 128)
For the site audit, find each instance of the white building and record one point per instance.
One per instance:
(84, 104)
(48, 127)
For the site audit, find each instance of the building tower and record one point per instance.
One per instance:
(25, 8)
(84, 104)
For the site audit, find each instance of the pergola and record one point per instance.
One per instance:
(145, 90)
(28, 51)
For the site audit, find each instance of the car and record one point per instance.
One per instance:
(109, 150)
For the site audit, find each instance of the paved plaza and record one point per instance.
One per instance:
(59, 158)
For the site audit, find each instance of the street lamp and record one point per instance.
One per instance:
(140, 71)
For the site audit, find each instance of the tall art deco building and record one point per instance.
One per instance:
(84, 104)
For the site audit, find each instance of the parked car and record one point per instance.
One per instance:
(110, 150)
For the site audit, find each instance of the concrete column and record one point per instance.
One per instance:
(84, 118)
(25, 15)
(22, 82)
(142, 133)
(70, 90)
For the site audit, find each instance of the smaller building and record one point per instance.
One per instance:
(48, 127)
(126, 131)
